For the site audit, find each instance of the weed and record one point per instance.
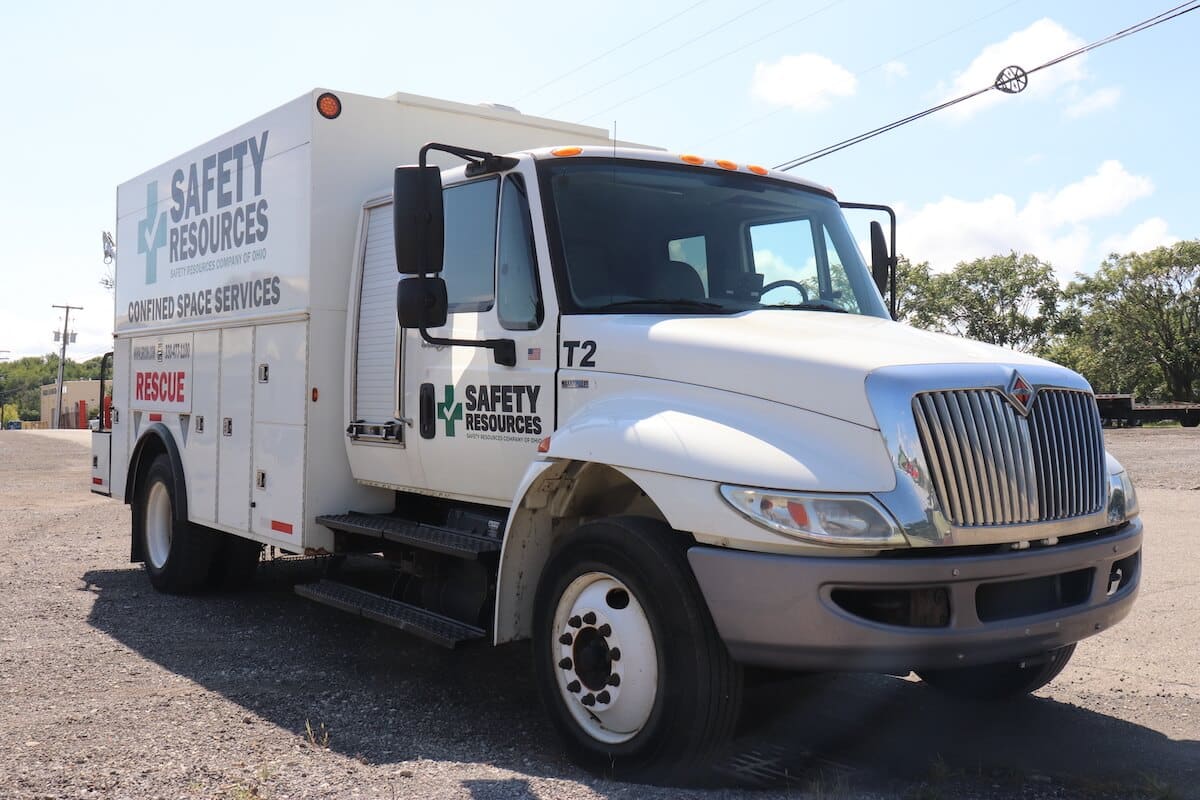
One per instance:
(821, 789)
(317, 737)
(1158, 789)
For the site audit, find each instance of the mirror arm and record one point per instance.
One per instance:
(893, 258)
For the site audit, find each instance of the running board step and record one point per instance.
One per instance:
(417, 534)
(434, 627)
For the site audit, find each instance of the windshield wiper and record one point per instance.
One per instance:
(682, 302)
(812, 305)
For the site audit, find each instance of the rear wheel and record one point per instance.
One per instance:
(1000, 681)
(177, 554)
(629, 665)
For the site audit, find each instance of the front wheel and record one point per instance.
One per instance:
(628, 661)
(1000, 681)
(177, 554)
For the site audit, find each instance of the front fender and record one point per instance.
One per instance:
(713, 435)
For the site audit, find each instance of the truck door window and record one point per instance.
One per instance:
(786, 252)
(839, 288)
(693, 252)
(470, 251)
(519, 305)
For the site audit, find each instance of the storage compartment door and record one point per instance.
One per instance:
(102, 463)
(278, 494)
(201, 430)
(234, 431)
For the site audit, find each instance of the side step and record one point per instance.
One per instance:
(417, 534)
(436, 628)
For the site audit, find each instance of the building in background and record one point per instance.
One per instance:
(73, 392)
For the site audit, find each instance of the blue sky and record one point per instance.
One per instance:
(1097, 155)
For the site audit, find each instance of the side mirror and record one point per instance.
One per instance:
(417, 220)
(421, 302)
(881, 261)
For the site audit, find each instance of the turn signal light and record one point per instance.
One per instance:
(544, 445)
(329, 106)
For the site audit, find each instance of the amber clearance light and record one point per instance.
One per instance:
(329, 106)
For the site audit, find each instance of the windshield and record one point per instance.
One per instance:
(648, 237)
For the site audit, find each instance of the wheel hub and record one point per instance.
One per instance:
(607, 662)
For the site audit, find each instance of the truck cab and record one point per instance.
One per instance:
(648, 411)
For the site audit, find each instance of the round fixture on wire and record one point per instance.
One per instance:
(1012, 80)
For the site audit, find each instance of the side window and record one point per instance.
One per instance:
(519, 296)
(785, 253)
(470, 254)
(693, 252)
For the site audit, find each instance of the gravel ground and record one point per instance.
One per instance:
(109, 689)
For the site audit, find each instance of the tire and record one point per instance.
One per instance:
(1000, 681)
(628, 662)
(235, 562)
(178, 555)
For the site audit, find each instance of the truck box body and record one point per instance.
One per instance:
(231, 292)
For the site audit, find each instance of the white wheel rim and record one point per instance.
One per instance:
(158, 525)
(606, 663)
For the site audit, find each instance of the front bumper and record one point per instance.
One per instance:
(780, 611)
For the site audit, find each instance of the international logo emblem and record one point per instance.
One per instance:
(1020, 393)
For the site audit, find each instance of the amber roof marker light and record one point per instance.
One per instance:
(329, 105)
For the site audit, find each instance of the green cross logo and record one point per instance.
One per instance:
(450, 411)
(152, 232)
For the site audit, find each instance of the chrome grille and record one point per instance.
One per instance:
(991, 466)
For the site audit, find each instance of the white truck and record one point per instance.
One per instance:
(647, 410)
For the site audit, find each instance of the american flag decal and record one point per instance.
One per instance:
(535, 354)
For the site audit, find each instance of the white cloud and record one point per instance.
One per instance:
(1096, 101)
(1145, 236)
(895, 69)
(1050, 225)
(1107, 192)
(806, 82)
(1040, 42)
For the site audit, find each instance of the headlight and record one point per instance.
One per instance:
(824, 518)
(1122, 497)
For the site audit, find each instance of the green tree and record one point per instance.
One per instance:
(21, 380)
(1011, 301)
(1138, 326)
(918, 301)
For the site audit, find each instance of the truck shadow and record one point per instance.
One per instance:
(385, 697)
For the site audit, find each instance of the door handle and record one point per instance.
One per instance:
(428, 418)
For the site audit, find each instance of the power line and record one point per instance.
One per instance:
(714, 60)
(1000, 83)
(659, 57)
(610, 51)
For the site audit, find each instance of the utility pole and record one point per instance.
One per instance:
(3, 421)
(62, 358)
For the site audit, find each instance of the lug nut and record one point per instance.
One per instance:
(573, 687)
(614, 680)
(615, 654)
(574, 622)
(589, 699)
(565, 639)
(590, 618)
(603, 697)
(605, 630)
(566, 663)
